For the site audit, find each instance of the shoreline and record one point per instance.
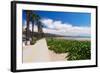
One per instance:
(74, 38)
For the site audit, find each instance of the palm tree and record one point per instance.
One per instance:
(28, 14)
(33, 19)
(36, 20)
(39, 25)
(40, 30)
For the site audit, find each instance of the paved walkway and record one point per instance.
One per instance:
(39, 52)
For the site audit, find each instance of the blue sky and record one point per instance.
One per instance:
(75, 20)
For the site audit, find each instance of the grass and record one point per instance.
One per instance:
(77, 50)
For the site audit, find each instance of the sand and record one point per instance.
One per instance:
(57, 57)
(39, 52)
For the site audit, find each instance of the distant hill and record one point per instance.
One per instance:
(45, 34)
(51, 35)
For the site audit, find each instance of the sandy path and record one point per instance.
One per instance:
(57, 57)
(39, 53)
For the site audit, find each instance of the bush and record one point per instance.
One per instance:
(34, 39)
(78, 50)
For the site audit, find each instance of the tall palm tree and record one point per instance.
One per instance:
(39, 25)
(28, 14)
(35, 19)
(40, 30)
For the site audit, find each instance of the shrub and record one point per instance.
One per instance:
(78, 50)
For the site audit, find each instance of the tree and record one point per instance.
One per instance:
(28, 14)
(39, 25)
(40, 30)
(35, 19)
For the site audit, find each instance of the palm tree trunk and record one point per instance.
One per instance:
(40, 31)
(27, 28)
(32, 36)
(32, 28)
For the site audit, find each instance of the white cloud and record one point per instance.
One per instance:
(57, 27)
(47, 22)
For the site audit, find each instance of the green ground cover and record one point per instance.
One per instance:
(77, 50)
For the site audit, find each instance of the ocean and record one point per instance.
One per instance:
(75, 38)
